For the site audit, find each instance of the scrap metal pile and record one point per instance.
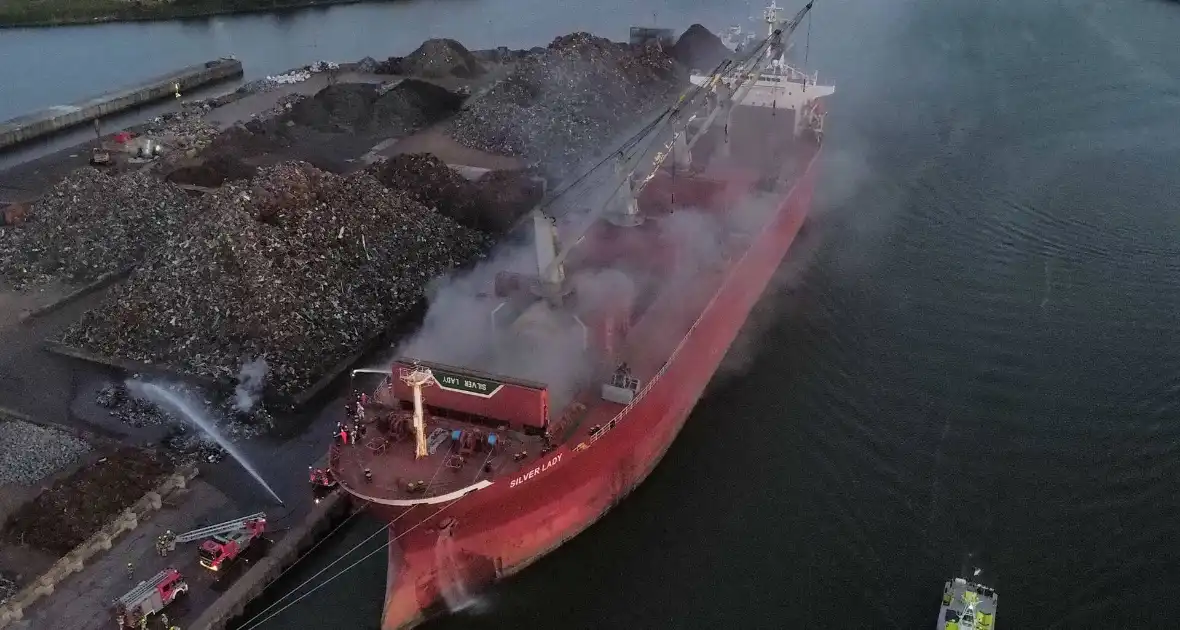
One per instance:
(299, 265)
(556, 107)
(91, 224)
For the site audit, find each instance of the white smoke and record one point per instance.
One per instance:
(251, 381)
(458, 327)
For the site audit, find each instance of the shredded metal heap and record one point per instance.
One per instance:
(91, 224)
(299, 265)
(557, 106)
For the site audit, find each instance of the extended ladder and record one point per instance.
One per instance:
(220, 528)
(137, 594)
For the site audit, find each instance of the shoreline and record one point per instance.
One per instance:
(165, 12)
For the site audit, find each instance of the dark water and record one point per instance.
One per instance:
(974, 366)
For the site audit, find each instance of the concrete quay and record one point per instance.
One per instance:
(57, 118)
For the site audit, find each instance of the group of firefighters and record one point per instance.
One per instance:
(353, 427)
(165, 542)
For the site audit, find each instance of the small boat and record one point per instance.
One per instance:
(967, 606)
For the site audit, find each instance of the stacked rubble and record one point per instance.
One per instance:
(299, 265)
(91, 224)
(76, 507)
(556, 107)
(490, 205)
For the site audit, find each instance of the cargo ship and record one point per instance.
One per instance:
(482, 470)
(967, 605)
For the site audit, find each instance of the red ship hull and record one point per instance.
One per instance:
(440, 552)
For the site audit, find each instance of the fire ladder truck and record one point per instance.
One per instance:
(226, 541)
(148, 598)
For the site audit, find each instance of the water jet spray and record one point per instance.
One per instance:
(171, 400)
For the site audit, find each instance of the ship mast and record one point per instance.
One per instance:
(737, 78)
(417, 379)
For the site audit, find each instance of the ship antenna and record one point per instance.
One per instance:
(417, 379)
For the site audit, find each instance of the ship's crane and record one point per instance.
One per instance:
(737, 77)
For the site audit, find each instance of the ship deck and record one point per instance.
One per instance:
(398, 477)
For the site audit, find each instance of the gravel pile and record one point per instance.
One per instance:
(91, 224)
(29, 452)
(490, 205)
(297, 265)
(435, 58)
(76, 507)
(554, 108)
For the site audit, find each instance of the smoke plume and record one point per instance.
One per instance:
(458, 327)
(251, 381)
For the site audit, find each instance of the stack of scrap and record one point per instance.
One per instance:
(298, 265)
(556, 107)
(91, 224)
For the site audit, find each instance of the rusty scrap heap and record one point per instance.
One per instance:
(91, 224)
(299, 265)
(555, 107)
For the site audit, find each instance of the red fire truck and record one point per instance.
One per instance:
(226, 541)
(148, 598)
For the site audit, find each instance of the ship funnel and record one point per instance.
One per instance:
(417, 379)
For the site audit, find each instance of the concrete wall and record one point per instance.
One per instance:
(100, 542)
(286, 552)
(61, 117)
